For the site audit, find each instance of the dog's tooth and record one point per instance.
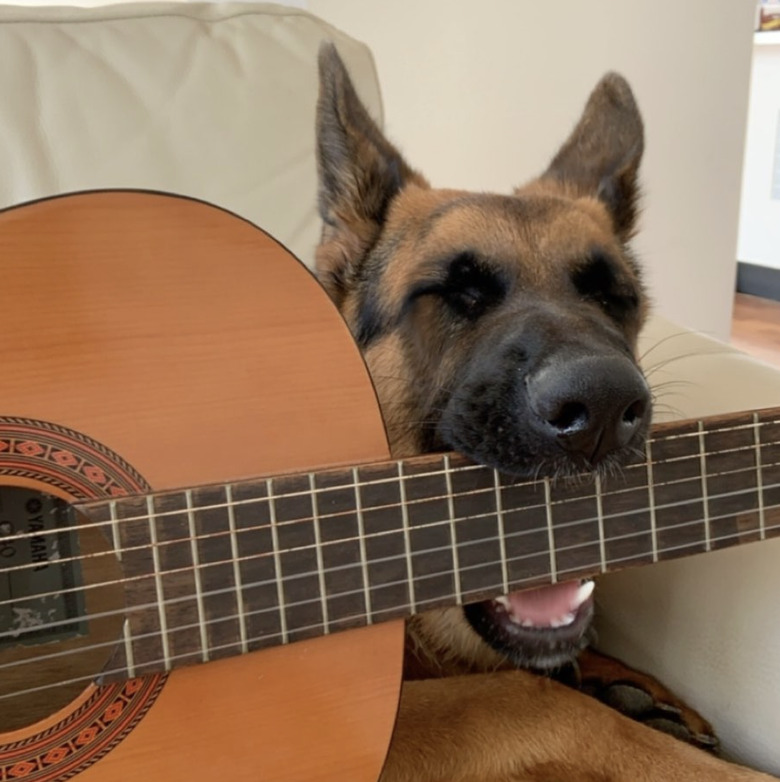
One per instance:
(583, 593)
(526, 623)
(566, 619)
(503, 601)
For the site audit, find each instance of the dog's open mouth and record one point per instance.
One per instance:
(538, 628)
(545, 608)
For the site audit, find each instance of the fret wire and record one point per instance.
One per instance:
(407, 536)
(90, 677)
(474, 492)
(550, 533)
(277, 560)
(565, 526)
(362, 545)
(453, 536)
(204, 640)
(128, 644)
(501, 534)
(158, 585)
(115, 536)
(595, 566)
(759, 476)
(600, 515)
(705, 501)
(236, 568)
(651, 501)
(318, 555)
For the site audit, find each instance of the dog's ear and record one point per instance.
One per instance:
(601, 157)
(360, 173)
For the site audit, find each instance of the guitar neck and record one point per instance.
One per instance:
(220, 570)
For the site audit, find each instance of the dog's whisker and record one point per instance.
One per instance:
(662, 341)
(651, 370)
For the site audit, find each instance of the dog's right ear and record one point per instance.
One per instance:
(602, 155)
(360, 173)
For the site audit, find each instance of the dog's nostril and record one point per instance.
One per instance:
(634, 412)
(571, 417)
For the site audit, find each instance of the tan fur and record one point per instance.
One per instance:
(511, 726)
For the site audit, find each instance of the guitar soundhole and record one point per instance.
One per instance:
(60, 605)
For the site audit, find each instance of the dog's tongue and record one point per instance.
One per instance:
(545, 605)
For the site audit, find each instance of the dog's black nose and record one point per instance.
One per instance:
(591, 405)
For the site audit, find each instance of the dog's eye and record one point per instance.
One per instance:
(596, 280)
(471, 287)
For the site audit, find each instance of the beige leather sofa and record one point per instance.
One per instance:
(217, 102)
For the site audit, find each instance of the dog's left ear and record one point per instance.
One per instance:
(360, 173)
(601, 157)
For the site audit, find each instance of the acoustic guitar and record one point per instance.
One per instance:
(193, 469)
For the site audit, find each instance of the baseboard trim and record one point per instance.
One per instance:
(758, 280)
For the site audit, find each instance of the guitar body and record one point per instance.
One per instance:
(165, 343)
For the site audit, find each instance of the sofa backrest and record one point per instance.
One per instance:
(215, 102)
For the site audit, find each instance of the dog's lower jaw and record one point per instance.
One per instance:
(444, 643)
(542, 630)
(540, 649)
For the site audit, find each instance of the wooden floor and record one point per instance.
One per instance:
(756, 327)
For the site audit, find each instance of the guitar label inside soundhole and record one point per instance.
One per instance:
(40, 572)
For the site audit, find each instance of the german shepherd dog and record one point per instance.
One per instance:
(504, 328)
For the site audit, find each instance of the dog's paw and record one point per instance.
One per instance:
(642, 698)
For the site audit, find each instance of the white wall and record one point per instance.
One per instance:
(759, 226)
(479, 94)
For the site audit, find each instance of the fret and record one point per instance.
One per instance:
(550, 531)
(298, 556)
(362, 545)
(575, 526)
(407, 538)
(501, 532)
(318, 552)
(679, 510)
(158, 587)
(733, 494)
(479, 547)
(390, 584)
(174, 575)
(344, 583)
(628, 522)
(705, 500)
(430, 537)
(277, 562)
(237, 580)
(453, 534)
(525, 533)
(258, 566)
(600, 517)
(214, 574)
(143, 624)
(109, 594)
(651, 501)
(197, 579)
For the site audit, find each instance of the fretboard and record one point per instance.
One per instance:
(221, 570)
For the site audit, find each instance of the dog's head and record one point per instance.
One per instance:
(502, 327)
